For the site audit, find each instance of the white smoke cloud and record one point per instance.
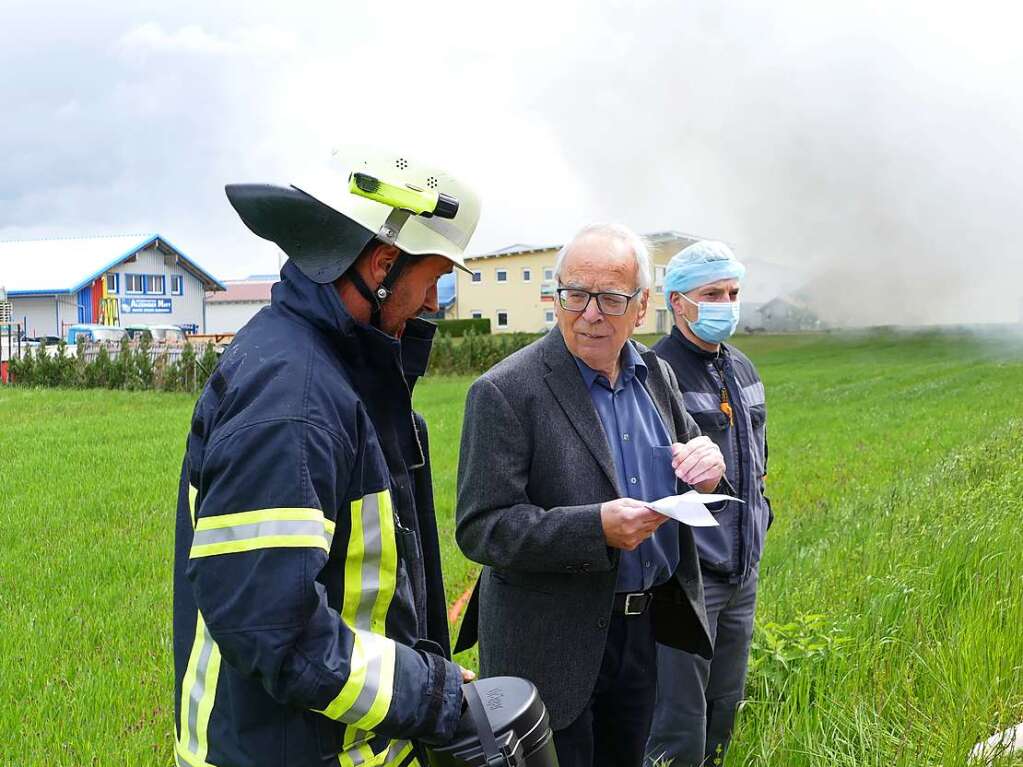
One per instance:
(871, 147)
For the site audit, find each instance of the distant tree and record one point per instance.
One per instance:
(143, 364)
(207, 364)
(120, 367)
(187, 364)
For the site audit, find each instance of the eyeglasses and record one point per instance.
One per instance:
(611, 304)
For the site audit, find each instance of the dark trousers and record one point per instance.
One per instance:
(696, 698)
(612, 729)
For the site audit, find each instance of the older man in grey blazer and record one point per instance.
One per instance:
(563, 443)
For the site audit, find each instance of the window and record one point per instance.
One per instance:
(177, 285)
(477, 315)
(659, 272)
(113, 283)
(548, 273)
(527, 274)
(133, 283)
(477, 276)
(662, 321)
(502, 318)
(548, 316)
(502, 275)
(155, 283)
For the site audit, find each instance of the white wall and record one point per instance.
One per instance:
(230, 317)
(45, 315)
(37, 314)
(67, 312)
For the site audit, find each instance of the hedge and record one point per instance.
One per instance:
(134, 367)
(458, 328)
(138, 367)
(474, 353)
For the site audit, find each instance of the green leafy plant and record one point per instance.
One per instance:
(779, 650)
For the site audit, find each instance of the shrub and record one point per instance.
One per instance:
(137, 367)
(45, 368)
(207, 364)
(80, 364)
(142, 364)
(23, 369)
(474, 353)
(186, 373)
(459, 328)
(99, 374)
(131, 368)
(63, 371)
(779, 650)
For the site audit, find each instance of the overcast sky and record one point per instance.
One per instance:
(874, 147)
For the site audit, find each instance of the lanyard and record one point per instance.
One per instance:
(726, 405)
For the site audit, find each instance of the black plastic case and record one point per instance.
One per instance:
(519, 721)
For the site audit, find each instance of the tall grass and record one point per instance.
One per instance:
(890, 617)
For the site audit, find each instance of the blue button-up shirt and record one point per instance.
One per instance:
(641, 449)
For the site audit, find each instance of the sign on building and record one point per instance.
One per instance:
(146, 305)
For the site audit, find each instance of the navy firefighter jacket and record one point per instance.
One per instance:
(309, 623)
(707, 379)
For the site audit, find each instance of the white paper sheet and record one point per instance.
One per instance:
(690, 508)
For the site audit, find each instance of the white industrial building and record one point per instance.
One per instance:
(55, 283)
(228, 310)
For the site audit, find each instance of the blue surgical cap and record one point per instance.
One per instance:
(701, 263)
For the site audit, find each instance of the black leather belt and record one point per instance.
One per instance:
(632, 604)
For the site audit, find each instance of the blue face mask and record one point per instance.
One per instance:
(715, 321)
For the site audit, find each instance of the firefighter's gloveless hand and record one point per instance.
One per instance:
(698, 463)
(628, 522)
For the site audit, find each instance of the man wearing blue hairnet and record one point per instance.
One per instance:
(696, 698)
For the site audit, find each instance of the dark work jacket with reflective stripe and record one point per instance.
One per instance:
(732, 549)
(306, 410)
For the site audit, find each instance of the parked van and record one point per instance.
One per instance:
(93, 333)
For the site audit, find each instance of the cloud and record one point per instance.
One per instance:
(190, 39)
(871, 147)
(193, 39)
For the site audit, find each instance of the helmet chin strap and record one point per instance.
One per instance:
(376, 298)
(388, 234)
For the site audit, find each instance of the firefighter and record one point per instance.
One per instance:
(309, 620)
(697, 699)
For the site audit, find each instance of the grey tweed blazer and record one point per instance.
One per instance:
(534, 468)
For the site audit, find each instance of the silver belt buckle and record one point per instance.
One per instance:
(628, 602)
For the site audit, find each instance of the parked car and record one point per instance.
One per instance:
(93, 333)
(167, 334)
(137, 332)
(40, 341)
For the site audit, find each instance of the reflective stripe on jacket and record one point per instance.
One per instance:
(305, 576)
(735, 547)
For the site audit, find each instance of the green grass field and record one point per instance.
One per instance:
(891, 603)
